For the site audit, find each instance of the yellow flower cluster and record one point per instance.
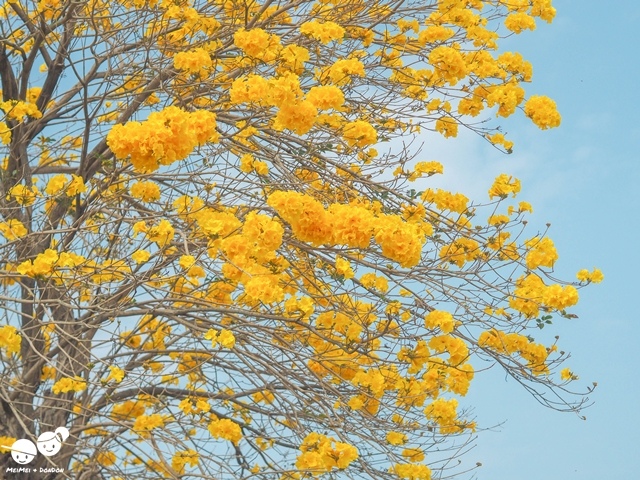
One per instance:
(43, 264)
(298, 117)
(455, 347)
(258, 43)
(115, 373)
(183, 458)
(326, 97)
(146, 423)
(443, 412)
(543, 9)
(352, 225)
(5, 134)
(396, 438)
(435, 33)
(13, 229)
(360, 134)
(128, 410)
(10, 339)
(165, 137)
(161, 234)
(249, 164)
(460, 251)
(145, 191)
(515, 64)
(188, 407)
(440, 319)
(17, 110)
(520, 21)
(531, 292)
(65, 385)
(499, 139)
(585, 276)
(542, 111)
(343, 268)
(295, 113)
(140, 256)
(448, 63)
(411, 471)
(400, 241)
(542, 253)
(428, 168)
(371, 280)
(349, 225)
(196, 61)
(536, 354)
(23, 194)
(567, 374)
(324, 32)
(444, 200)
(308, 219)
(224, 337)
(225, 429)
(342, 70)
(293, 58)
(5, 443)
(106, 459)
(507, 97)
(321, 454)
(250, 89)
(504, 185)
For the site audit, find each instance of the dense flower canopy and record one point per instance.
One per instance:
(220, 259)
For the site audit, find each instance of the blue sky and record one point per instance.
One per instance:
(582, 178)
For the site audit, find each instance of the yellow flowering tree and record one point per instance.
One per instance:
(215, 260)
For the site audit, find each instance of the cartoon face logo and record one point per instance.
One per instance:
(23, 451)
(50, 443)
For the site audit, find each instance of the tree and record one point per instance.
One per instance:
(221, 257)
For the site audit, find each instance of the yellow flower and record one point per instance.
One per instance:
(5, 134)
(76, 186)
(360, 134)
(115, 373)
(106, 459)
(13, 229)
(196, 61)
(411, 471)
(322, 31)
(145, 423)
(503, 185)
(226, 338)
(343, 267)
(517, 22)
(183, 458)
(542, 254)
(396, 438)
(5, 443)
(140, 256)
(542, 111)
(56, 184)
(413, 454)
(440, 319)
(567, 374)
(225, 429)
(447, 126)
(145, 191)
(65, 385)
(326, 97)
(257, 43)
(23, 195)
(10, 339)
